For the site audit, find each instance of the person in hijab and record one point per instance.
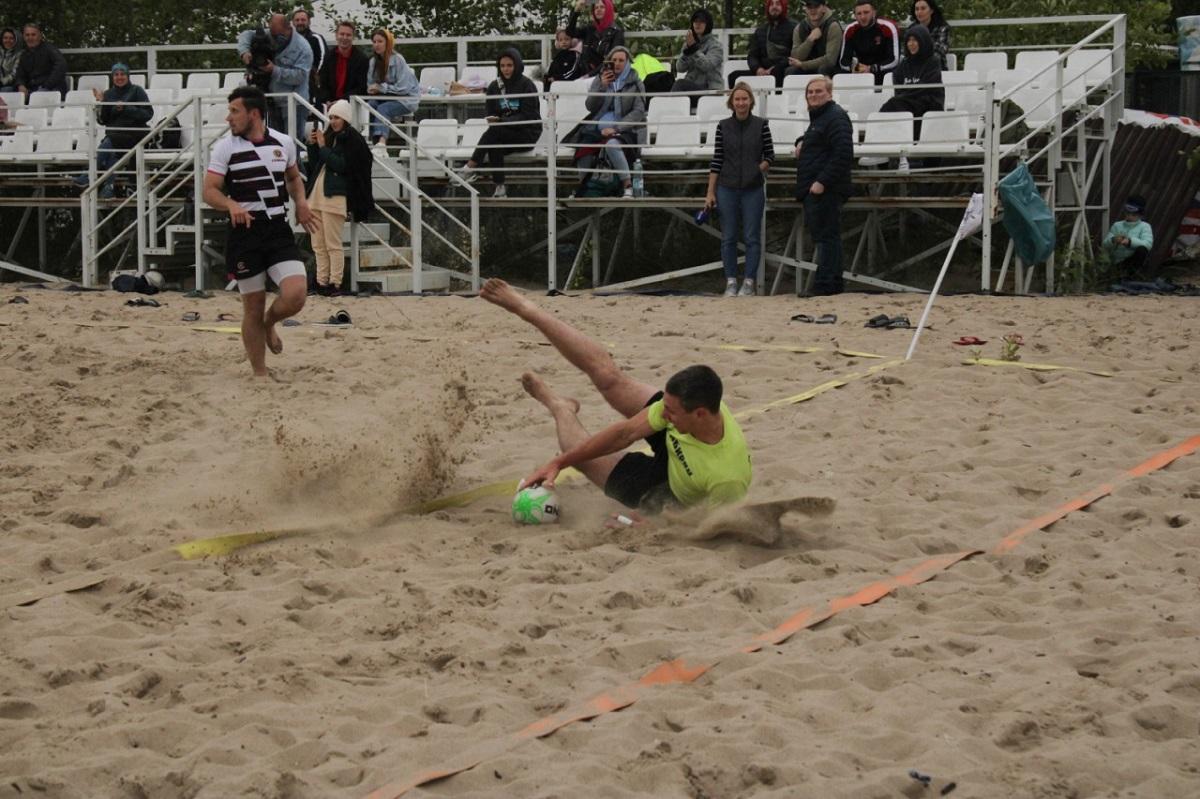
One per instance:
(701, 59)
(388, 75)
(770, 46)
(10, 58)
(567, 63)
(600, 37)
(339, 181)
(125, 113)
(513, 116)
(616, 119)
(929, 14)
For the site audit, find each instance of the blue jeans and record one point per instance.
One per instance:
(392, 110)
(616, 157)
(823, 215)
(744, 207)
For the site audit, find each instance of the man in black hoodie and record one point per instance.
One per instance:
(42, 67)
(770, 46)
(823, 160)
(513, 122)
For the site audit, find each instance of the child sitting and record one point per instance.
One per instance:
(1130, 239)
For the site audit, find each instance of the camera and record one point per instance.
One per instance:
(262, 50)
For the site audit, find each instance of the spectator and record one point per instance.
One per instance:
(288, 70)
(824, 157)
(301, 21)
(567, 63)
(1130, 239)
(10, 58)
(816, 42)
(513, 121)
(344, 73)
(702, 58)
(339, 181)
(125, 113)
(919, 66)
(871, 43)
(388, 75)
(42, 68)
(600, 37)
(770, 45)
(615, 122)
(742, 157)
(929, 14)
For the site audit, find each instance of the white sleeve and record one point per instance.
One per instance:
(292, 156)
(218, 159)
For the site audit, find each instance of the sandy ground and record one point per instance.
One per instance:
(330, 664)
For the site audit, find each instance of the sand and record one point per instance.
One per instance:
(329, 664)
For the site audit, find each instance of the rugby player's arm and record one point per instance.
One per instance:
(613, 438)
(214, 195)
(295, 186)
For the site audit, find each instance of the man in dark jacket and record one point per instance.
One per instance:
(823, 160)
(770, 46)
(42, 67)
(872, 43)
(301, 22)
(344, 72)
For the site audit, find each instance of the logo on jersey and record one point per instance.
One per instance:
(279, 153)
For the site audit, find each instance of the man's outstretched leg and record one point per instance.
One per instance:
(624, 394)
(570, 432)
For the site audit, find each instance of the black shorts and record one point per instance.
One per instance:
(639, 481)
(252, 250)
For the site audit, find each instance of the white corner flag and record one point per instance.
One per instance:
(972, 221)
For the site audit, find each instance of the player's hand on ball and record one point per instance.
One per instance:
(543, 476)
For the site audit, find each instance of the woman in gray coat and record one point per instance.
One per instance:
(616, 120)
(702, 58)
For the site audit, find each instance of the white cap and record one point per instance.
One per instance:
(341, 109)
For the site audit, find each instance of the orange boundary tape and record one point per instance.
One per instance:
(678, 672)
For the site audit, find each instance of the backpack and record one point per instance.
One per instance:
(602, 181)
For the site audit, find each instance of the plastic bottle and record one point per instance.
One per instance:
(639, 181)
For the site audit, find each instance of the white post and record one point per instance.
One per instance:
(972, 218)
(198, 199)
(551, 191)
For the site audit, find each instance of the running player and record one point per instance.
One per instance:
(257, 167)
(699, 453)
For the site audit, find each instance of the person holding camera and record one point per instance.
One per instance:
(616, 120)
(339, 182)
(282, 69)
(702, 58)
(600, 37)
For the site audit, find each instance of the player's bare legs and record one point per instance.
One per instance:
(570, 431)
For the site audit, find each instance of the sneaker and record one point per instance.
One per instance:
(747, 288)
(500, 191)
(468, 173)
(628, 192)
(106, 192)
(872, 160)
(80, 180)
(731, 287)
(903, 165)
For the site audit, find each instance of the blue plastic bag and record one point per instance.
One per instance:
(1027, 218)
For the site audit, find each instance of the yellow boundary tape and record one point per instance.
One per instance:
(1036, 367)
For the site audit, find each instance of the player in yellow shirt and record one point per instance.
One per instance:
(699, 455)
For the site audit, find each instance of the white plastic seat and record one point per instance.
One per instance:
(438, 78)
(1007, 80)
(1036, 61)
(80, 97)
(983, 63)
(663, 106)
(1096, 63)
(72, 116)
(569, 111)
(56, 144)
(760, 84)
(167, 80)
(946, 133)
(437, 136)
(471, 131)
(784, 133)
(190, 92)
(232, 80)
(855, 91)
(887, 133)
(13, 100)
(35, 118)
(477, 75)
(44, 100)
(951, 61)
(733, 65)
(794, 87)
(1074, 86)
(711, 107)
(577, 86)
(678, 137)
(138, 79)
(89, 82)
(210, 81)
(17, 145)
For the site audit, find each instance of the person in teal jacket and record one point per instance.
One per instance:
(1130, 239)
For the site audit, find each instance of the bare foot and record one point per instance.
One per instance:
(536, 387)
(274, 342)
(497, 292)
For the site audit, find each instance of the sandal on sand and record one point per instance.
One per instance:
(191, 316)
(18, 300)
(197, 294)
(899, 323)
(803, 317)
(878, 321)
(969, 341)
(827, 319)
(143, 302)
(226, 317)
(340, 318)
(292, 323)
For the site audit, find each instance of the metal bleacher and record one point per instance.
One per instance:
(1069, 99)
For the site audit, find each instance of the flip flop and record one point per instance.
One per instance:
(340, 318)
(803, 317)
(226, 317)
(292, 323)
(969, 341)
(191, 316)
(18, 300)
(143, 302)
(827, 319)
(882, 320)
(899, 323)
(197, 294)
